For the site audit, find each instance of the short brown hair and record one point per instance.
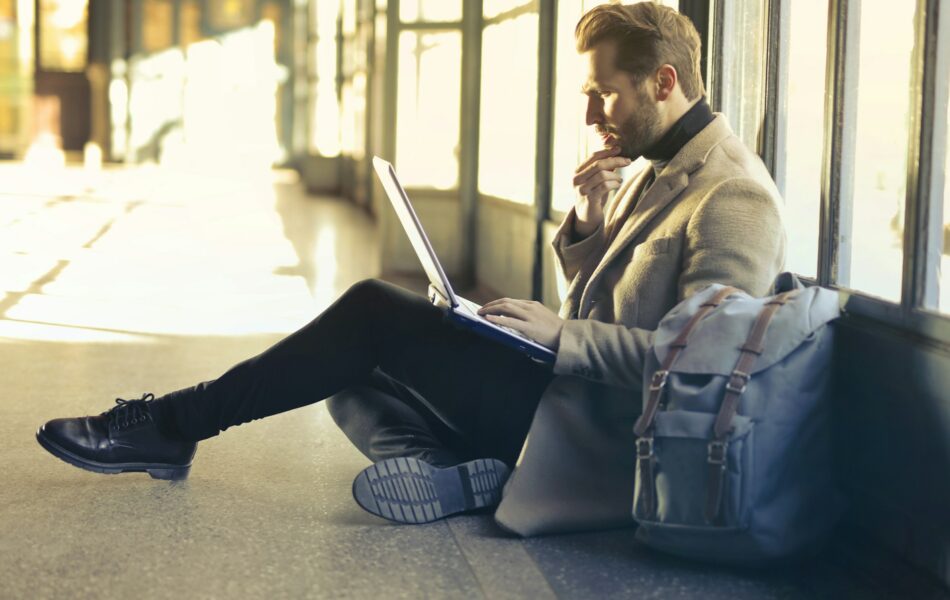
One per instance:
(648, 35)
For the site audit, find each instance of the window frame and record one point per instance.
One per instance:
(544, 8)
(916, 315)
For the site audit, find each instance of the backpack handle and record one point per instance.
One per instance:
(738, 380)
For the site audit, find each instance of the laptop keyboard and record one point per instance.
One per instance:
(473, 308)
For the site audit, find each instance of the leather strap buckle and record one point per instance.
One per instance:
(738, 382)
(716, 453)
(658, 381)
(644, 448)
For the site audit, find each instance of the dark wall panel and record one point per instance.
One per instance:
(893, 440)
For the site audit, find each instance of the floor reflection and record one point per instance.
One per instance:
(159, 251)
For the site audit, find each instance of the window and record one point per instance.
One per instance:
(881, 58)
(509, 103)
(411, 11)
(880, 172)
(325, 107)
(493, 8)
(804, 135)
(428, 100)
(739, 92)
(353, 91)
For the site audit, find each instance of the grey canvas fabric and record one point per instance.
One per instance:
(712, 216)
(779, 496)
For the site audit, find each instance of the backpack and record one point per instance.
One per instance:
(734, 455)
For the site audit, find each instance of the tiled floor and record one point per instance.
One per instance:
(151, 280)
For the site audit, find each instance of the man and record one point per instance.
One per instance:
(705, 211)
(445, 413)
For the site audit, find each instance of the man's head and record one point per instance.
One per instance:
(643, 72)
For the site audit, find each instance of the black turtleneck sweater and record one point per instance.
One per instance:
(694, 121)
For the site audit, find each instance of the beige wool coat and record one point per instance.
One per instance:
(713, 215)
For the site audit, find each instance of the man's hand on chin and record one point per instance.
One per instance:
(529, 317)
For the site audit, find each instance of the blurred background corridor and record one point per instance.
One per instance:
(184, 182)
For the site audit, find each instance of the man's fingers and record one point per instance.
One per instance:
(492, 303)
(603, 188)
(506, 307)
(504, 301)
(595, 177)
(609, 183)
(612, 151)
(605, 165)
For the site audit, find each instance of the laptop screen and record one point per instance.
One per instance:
(412, 225)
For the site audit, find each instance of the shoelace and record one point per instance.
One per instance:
(129, 412)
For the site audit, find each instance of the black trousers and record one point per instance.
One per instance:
(402, 381)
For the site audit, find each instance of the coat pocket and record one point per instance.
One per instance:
(680, 473)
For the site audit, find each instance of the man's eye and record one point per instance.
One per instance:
(605, 94)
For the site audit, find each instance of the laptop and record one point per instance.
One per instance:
(460, 311)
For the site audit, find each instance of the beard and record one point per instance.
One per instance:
(641, 131)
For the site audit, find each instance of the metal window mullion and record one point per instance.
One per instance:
(926, 157)
(776, 98)
(390, 81)
(716, 62)
(547, 48)
(468, 136)
(837, 176)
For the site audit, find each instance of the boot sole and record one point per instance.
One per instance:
(157, 471)
(408, 490)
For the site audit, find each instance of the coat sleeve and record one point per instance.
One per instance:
(570, 256)
(735, 237)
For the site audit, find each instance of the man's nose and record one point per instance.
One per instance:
(595, 112)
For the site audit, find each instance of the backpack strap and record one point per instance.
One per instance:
(738, 380)
(644, 425)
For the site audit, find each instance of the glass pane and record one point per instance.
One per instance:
(507, 138)
(428, 108)
(881, 147)
(411, 11)
(349, 17)
(493, 8)
(804, 133)
(743, 85)
(325, 120)
(63, 39)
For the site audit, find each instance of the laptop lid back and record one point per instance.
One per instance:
(412, 225)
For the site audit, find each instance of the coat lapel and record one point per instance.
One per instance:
(665, 189)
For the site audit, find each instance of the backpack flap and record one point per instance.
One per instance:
(716, 340)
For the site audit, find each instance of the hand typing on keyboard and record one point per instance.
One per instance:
(528, 317)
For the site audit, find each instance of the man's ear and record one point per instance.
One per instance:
(666, 78)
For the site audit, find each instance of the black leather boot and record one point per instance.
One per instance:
(123, 438)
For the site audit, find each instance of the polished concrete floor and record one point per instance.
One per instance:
(145, 280)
